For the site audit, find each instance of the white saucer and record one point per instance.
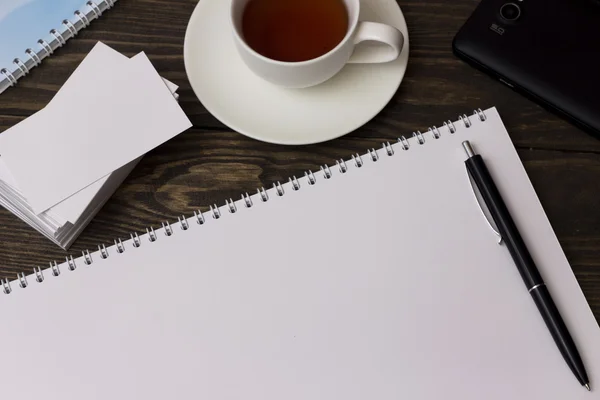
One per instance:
(260, 110)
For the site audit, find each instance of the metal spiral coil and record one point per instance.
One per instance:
(39, 275)
(247, 200)
(342, 166)
(11, 78)
(167, 228)
(465, 120)
(22, 280)
(54, 268)
(404, 143)
(87, 257)
(135, 239)
(71, 262)
(6, 286)
(151, 234)
(34, 57)
(480, 114)
(263, 194)
(182, 223)
(388, 148)
(278, 189)
(295, 184)
(119, 246)
(230, 204)
(214, 210)
(82, 17)
(95, 9)
(357, 160)
(103, 251)
(70, 27)
(373, 154)
(450, 126)
(46, 47)
(435, 133)
(59, 37)
(21, 65)
(419, 136)
(199, 218)
(326, 173)
(310, 177)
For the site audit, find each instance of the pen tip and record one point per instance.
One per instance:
(468, 148)
(587, 386)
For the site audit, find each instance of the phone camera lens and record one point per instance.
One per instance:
(510, 11)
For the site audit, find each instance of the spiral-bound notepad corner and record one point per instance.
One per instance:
(55, 39)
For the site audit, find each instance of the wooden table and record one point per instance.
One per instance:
(210, 163)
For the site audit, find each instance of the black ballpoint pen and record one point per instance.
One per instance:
(529, 272)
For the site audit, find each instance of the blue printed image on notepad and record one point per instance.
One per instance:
(24, 22)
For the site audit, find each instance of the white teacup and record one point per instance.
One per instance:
(313, 72)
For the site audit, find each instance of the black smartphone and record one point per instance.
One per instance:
(548, 50)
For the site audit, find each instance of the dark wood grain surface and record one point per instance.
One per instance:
(209, 163)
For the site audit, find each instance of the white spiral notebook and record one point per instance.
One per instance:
(376, 278)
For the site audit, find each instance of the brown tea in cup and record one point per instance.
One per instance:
(294, 30)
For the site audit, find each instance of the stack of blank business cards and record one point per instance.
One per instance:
(60, 166)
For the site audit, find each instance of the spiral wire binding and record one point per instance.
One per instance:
(46, 47)
(119, 246)
(87, 257)
(56, 40)
(39, 275)
(264, 196)
(465, 120)
(295, 184)
(404, 145)
(231, 206)
(54, 268)
(33, 57)
(71, 262)
(388, 149)
(6, 286)
(435, 132)
(450, 126)
(21, 66)
(310, 177)
(278, 189)
(135, 240)
(167, 228)
(374, 155)
(151, 234)
(182, 223)
(357, 160)
(22, 280)
(199, 217)
(419, 136)
(247, 200)
(103, 251)
(343, 166)
(326, 171)
(215, 212)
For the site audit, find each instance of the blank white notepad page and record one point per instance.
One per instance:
(381, 283)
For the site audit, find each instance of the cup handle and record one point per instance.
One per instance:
(391, 37)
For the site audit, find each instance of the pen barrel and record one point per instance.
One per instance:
(560, 333)
(524, 262)
(506, 226)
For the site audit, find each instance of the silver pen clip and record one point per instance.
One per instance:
(483, 208)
